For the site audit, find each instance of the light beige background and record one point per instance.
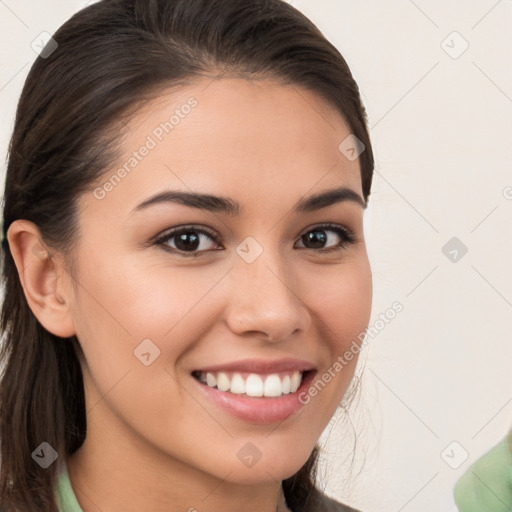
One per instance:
(438, 378)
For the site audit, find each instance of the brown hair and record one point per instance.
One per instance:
(112, 56)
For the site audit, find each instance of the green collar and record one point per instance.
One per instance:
(66, 498)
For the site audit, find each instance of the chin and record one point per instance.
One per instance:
(278, 466)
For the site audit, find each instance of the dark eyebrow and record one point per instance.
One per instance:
(328, 198)
(233, 208)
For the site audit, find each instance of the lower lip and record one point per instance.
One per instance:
(258, 409)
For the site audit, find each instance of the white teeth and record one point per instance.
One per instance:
(223, 382)
(286, 384)
(295, 381)
(273, 386)
(237, 384)
(254, 385)
(211, 380)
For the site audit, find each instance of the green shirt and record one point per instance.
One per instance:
(487, 485)
(66, 498)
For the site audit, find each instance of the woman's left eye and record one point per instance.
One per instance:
(317, 236)
(187, 240)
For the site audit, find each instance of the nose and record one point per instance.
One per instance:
(264, 298)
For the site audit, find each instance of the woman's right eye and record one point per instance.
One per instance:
(186, 241)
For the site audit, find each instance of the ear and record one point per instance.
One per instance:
(45, 281)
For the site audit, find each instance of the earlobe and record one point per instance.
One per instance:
(45, 281)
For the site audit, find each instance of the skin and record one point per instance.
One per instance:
(153, 441)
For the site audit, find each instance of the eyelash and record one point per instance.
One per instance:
(346, 236)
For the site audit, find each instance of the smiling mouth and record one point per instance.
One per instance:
(270, 385)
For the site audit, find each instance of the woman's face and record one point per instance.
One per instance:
(256, 289)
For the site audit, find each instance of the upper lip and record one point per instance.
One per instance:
(261, 366)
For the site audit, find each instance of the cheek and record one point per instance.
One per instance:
(127, 311)
(130, 302)
(136, 323)
(343, 303)
(342, 307)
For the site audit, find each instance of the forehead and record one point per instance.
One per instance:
(255, 140)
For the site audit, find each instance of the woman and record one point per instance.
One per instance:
(185, 268)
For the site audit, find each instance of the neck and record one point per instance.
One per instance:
(281, 503)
